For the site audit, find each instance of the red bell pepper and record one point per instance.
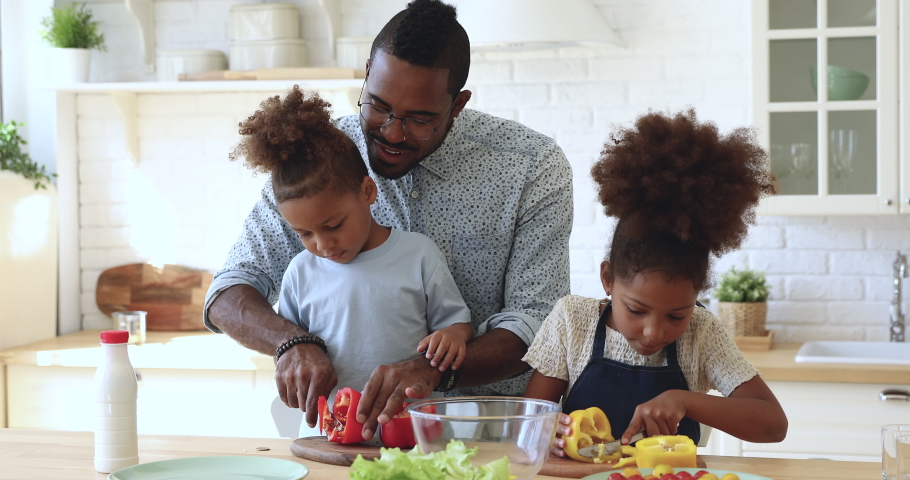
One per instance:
(340, 424)
(398, 433)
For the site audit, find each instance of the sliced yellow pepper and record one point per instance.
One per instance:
(673, 450)
(589, 427)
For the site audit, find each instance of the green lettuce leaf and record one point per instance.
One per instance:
(452, 464)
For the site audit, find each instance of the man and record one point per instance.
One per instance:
(494, 195)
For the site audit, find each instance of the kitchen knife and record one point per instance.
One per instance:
(599, 449)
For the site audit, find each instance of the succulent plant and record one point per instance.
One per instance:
(742, 286)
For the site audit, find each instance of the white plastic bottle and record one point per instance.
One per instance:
(116, 441)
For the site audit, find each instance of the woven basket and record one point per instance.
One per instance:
(745, 319)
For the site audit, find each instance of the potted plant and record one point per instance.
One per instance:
(13, 159)
(73, 34)
(742, 302)
(28, 244)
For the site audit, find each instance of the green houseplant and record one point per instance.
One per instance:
(72, 27)
(12, 157)
(742, 302)
(73, 33)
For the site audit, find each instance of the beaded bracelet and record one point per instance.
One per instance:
(308, 338)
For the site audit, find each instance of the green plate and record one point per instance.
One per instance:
(212, 468)
(646, 471)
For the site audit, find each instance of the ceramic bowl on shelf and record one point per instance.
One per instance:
(519, 428)
(843, 83)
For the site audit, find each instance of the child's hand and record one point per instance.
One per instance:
(562, 429)
(660, 416)
(443, 347)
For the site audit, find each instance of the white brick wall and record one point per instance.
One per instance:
(185, 202)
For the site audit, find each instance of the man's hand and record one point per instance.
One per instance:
(389, 385)
(303, 374)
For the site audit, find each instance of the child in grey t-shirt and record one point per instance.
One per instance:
(376, 296)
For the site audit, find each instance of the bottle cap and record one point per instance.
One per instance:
(115, 336)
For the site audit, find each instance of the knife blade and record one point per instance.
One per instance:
(606, 448)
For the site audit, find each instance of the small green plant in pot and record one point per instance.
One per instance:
(742, 302)
(12, 157)
(73, 33)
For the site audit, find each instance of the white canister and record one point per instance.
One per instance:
(171, 63)
(353, 52)
(255, 54)
(265, 21)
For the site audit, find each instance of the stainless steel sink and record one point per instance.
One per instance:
(882, 353)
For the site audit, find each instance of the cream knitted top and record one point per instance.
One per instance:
(707, 355)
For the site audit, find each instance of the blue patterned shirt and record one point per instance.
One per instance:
(496, 197)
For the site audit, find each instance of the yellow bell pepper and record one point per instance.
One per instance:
(589, 427)
(673, 450)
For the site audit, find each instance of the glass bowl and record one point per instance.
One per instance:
(519, 428)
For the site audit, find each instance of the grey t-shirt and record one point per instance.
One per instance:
(376, 308)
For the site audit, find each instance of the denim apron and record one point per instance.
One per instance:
(617, 388)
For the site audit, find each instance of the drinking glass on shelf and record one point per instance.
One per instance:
(842, 143)
(803, 162)
(890, 433)
(779, 160)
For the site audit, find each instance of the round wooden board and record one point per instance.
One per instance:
(318, 449)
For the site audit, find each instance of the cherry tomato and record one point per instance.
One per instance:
(638, 477)
(709, 476)
(669, 476)
(699, 474)
(650, 477)
(730, 476)
(630, 472)
(617, 476)
(685, 476)
(661, 470)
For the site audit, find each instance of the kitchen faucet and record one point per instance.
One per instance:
(897, 317)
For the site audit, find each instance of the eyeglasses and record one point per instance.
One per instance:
(413, 127)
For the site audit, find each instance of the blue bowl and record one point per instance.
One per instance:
(843, 83)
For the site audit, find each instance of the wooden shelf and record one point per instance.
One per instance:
(216, 86)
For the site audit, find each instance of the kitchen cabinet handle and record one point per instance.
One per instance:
(889, 394)
(889, 202)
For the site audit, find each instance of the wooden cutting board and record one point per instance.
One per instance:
(172, 295)
(318, 449)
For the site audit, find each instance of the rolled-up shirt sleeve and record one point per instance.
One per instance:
(260, 255)
(537, 275)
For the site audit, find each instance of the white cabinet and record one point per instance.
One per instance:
(832, 132)
(835, 421)
(231, 403)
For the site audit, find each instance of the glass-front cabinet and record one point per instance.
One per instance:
(826, 104)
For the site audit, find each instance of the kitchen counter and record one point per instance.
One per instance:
(205, 350)
(59, 455)
(779, 364)
(198, 350)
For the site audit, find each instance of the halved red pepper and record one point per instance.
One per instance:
(339, 426)
(398, 433)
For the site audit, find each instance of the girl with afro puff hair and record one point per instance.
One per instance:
(648, 354)
(375, 295)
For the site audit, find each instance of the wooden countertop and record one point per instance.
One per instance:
(205, 350)
(202, 350)
(779, 364)
(58, 455)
